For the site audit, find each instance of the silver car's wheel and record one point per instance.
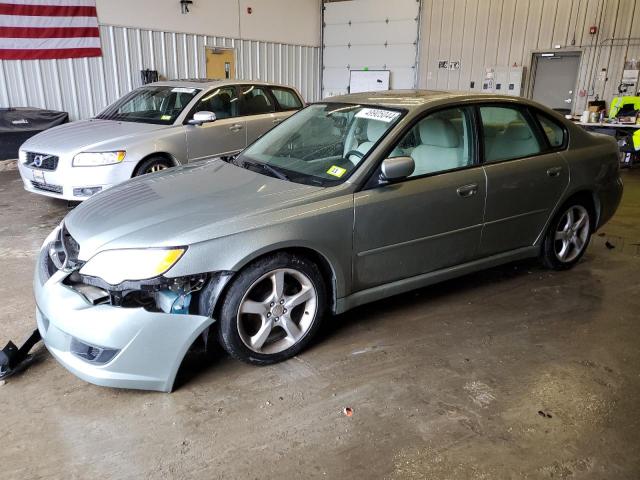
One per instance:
(572, 234)
(277, 311)
(156, 168)
(272, 309)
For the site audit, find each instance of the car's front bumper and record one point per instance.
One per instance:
(61, 182)
(148, 347)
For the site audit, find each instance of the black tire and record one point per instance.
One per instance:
(150, 164)
(250, 280)
(550, 256)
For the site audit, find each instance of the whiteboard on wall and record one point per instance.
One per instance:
(369, 35)
(369, 80)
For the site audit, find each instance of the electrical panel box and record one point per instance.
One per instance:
(503, 80)
(514, 85)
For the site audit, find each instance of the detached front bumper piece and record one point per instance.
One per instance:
(112, 346)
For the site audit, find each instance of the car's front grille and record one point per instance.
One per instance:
(46, 187)
(41, 160)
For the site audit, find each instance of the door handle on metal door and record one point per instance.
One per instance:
(554, 171)
(467, 190)
(236, 127)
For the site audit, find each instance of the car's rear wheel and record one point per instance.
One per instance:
(567, 237)
(272, 309)
(151, 165)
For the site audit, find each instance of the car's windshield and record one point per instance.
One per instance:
(151, 104)
(321, 144)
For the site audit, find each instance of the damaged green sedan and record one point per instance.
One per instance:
(349, 201)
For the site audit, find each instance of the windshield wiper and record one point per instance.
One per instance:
(268, 168)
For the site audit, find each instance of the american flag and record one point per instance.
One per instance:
(47, 29)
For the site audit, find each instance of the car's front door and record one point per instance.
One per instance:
(226, 135)
(258, 108)
(431, 220)
(525, 179)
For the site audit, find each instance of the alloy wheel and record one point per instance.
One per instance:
(572, 234)
(277, 311)
(156, 167)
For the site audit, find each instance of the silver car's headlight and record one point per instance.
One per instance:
(22, 156)
(96, 159)
(116, 266)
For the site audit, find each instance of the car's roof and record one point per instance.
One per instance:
(414, 99)
(210, 83)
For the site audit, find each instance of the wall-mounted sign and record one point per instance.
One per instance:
(449, 64)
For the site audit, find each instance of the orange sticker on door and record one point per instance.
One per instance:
(336, 171)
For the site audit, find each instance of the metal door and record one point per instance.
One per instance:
(555, 80)
(417, 226)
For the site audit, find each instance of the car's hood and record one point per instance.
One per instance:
(181, 206)
(87, 135)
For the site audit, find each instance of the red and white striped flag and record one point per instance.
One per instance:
(46, 29)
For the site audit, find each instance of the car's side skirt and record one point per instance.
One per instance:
(419, 281)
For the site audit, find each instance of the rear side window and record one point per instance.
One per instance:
(286, 98)
(507, 134)
(256, 100)
(553, 131)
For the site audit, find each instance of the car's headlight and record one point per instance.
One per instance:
(116, 266)
(95, 159)
(22, 156)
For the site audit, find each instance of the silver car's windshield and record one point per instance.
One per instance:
(322, 144)
(151, 104)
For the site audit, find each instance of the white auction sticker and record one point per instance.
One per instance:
(183, 90)
(378, 114)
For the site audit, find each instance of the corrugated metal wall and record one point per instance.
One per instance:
(483, 33)
(85, 86)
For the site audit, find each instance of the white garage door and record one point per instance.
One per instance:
(373, 35)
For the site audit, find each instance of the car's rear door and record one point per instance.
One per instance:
(259, 109)
(226, 135)
(431, 220)
(526, 177)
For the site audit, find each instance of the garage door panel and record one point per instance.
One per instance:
(373, 34)
(370, 10)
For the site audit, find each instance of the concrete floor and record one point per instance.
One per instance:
(516, 372)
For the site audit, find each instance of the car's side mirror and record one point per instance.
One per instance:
(202, 117)
(397, 168)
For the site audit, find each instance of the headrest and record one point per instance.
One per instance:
(438, 132)
(375, 129)
(517, 131)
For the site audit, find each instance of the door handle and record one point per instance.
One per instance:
(554, 171)
(236, 127)
(467, 190)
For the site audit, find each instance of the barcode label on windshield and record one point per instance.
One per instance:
(183, 90)
(378, 114)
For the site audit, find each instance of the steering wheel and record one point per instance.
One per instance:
(357, 153)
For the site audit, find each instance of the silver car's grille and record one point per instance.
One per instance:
(41, 160)
(46, 187)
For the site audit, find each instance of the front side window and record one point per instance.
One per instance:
(256, 101)
(441, 141)
(151, 104)
(286, 98)
(507, 134)
(553, 131)
(221, 101)
(322, 144)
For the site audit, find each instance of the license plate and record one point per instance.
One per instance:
(38, 176)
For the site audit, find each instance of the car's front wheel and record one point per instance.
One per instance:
(151, 165)
(567, 237)
(272, 309)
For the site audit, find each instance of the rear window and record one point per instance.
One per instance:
(554, 132)
(286, 98)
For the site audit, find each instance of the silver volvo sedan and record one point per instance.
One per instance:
(154, 127)
(349, 201)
